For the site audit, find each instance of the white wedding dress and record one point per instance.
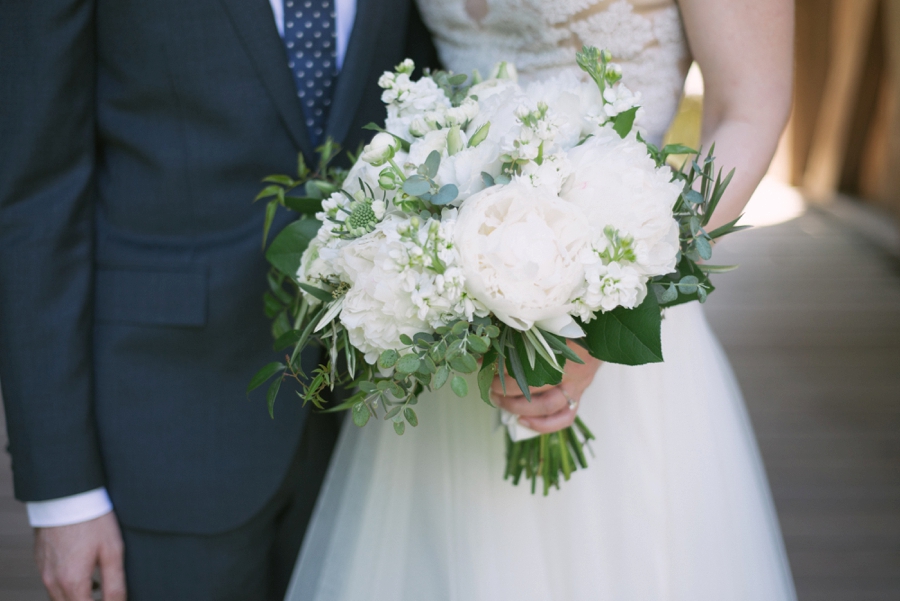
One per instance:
(674, 505)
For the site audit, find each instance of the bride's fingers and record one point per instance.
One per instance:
(512, 389)
(541, 404)
(551, 423)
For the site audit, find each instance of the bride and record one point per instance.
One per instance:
(674, 504)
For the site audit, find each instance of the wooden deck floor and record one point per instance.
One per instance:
(811, 323)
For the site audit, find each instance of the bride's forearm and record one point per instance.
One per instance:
(748, 148)
(744, 49)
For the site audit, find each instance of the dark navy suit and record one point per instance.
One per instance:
(133, 136)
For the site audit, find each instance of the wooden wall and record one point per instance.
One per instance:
(845, 128)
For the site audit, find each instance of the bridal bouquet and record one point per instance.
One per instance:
(482, 229)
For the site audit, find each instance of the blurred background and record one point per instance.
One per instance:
(810, 321)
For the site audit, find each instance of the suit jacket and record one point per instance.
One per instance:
(133, 136)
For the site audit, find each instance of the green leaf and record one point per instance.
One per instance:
(287, 339)
(388, 359)
(541, 374)
(268, 191)
(392, 413)
(515, 367)
(266, 372)
(271, 393)
(411, 417)
(486, 378)
(623, 122)
(627, 336)
(287, 248)
(305, 205)
(408, 364)
(441, 376)
(406, 339)
(464, 363)
(322, 295)
(399, 428)
(361, 414)
(459, 386)
(271, 208)
(458, 79)
(284, 180)
(432, 164)
(487, 178)
(728, 228)
(271, 305)
(678, 149)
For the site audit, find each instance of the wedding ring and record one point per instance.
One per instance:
(572, 402)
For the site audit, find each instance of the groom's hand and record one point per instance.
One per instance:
(551, 408)
(67, 555)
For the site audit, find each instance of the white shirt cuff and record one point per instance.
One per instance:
(69, 510)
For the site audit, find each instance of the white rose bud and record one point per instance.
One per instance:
(380, 150)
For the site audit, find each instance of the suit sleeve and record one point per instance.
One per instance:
(47, 198)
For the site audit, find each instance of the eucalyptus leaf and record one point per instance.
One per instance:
(411, 417)
(704, 248)
(692, 196)
(400, 428)
(408, 364)
(465, 364)
(688, 284)
(361, 414)
(445, 195)
(432, 164)
(459, 386)
(441, 376)
(487, 178)
(388, 359)
(416, 185)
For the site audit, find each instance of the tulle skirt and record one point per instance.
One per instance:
(673, 506)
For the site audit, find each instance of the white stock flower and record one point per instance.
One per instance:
(620, 191)
(519, 250)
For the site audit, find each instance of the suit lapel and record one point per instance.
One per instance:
(256, 28)
(355, 70)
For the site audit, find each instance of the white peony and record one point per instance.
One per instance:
(616, 184)
(571, 99)
(519, 249)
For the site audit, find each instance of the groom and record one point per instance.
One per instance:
(133, 136)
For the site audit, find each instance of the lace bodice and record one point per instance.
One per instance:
(541, 37)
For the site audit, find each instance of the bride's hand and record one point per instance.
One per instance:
(551, 408)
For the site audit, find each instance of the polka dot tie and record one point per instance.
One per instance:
(309, 34)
